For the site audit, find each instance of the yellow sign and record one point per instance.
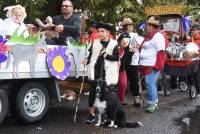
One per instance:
(165, 10)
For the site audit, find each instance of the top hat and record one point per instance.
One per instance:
(104, 25)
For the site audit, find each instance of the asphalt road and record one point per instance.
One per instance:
(59, 118)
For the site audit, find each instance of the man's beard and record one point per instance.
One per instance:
(66, 13)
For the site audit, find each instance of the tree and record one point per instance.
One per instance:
(33, 7)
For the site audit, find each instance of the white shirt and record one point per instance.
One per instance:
(135, 57)
(10, 27)
(150, 48)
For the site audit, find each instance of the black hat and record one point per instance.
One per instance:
(104, 25)
(123, 35)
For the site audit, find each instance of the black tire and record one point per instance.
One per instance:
(182, 84)
(192, 92)
(4, 105)
(32, 102)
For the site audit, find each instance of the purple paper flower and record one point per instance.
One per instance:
(58, 62)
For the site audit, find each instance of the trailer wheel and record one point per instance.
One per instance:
(4, 105)
(192, 92)
(32, 102)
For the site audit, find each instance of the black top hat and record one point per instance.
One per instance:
(123, 35)
(104, 25)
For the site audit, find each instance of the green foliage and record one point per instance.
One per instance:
(79, 44)
(30, 40)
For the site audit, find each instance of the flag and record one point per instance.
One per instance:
(142, 26)
(186, 23)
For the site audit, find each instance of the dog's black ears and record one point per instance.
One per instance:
(100, 82)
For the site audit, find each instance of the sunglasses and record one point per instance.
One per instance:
(66, 6)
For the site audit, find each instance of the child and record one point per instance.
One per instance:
(103, 62)
(16, 15)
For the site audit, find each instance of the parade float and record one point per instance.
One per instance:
(33, 74)
(182, 61)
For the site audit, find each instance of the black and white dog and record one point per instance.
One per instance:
(108, 104)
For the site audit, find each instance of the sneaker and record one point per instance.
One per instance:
(156, 106)
(90, 119)
(137, 101)
(161, 92)
(151, 108)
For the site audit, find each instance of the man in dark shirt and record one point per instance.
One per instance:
(67, 24)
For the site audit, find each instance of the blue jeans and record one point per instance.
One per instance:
(151, 86)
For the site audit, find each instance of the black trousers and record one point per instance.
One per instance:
(91, 97)
(196, 77)
(133, 79)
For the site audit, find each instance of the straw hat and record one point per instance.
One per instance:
(127, 21)
(153, 21)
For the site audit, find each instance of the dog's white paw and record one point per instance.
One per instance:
(140, 124)
(111, 124)
(115, 126)
(98, 124)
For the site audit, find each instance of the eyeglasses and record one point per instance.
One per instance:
(66, 6)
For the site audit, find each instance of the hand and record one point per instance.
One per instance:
(102, 52)
(134, 48)
(104, 56)
(59, 28)
(84, 62)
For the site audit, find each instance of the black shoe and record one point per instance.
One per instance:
(137, 104)
(90, 119)
(124, 103)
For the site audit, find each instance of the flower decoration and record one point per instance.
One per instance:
(58, 62)
(3, 49)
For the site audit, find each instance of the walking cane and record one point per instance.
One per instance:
(81, 89)
(141, 89)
